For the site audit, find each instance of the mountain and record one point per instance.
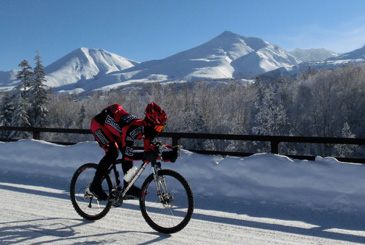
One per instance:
(353, 55)
(83, 67)
(356, 56)
(8, 80)
(226, 56)
(312, 54)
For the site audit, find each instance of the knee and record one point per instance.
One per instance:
(112, 153)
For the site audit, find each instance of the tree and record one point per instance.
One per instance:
(25, 76)
(82, 116)
(346, 150)
(7, 112)
(38, 96)
(271, 117)
(21, 99)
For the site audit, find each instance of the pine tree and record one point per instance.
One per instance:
(25, 77)
(21, 99)
(7, 112)
(7, 109)
(38, 96)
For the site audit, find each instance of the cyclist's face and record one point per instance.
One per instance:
(150, 132)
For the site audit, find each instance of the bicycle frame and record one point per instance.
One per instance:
(120, 195)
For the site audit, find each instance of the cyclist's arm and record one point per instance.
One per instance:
(130, 154)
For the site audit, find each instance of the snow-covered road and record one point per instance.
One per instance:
(262, 199)
(39, 215)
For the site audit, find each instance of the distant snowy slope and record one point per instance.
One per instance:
(8, 80)
(312, 54)
(353, 57)
(356, 54)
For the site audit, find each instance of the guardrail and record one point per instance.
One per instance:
(176, 137)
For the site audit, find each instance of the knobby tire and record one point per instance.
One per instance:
(77, 190)
(182, 213)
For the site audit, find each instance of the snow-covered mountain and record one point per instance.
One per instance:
(8, 80)
(353, 55)
(229, 55)
(83, 68)
(312, 54)
(226, 56)
(356, 56)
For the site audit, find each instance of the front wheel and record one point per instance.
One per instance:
(85, 204)
(167, 204)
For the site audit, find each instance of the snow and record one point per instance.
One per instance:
(261, 199)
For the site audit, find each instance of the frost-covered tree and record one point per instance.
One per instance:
(82, 115)
(38, 96)
(7, 109)
(271, 117)
(6, 112)
(20, 117)
(346, 150)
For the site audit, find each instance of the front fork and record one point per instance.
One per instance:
(159, 182)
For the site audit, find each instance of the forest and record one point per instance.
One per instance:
(323, 103)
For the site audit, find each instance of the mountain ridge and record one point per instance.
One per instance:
(229, 55)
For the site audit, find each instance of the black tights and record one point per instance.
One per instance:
(110, 156)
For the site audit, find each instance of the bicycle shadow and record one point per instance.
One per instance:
(28, 230)
(55, 230)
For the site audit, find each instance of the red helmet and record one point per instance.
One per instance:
(155, 114)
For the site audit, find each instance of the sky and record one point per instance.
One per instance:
(143, 30)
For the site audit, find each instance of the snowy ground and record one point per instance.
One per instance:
(262, 199)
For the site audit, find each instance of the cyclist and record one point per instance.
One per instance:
(114, 129)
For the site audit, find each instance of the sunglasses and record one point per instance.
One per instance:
(159, 128)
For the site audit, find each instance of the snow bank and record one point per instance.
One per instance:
(263, 178)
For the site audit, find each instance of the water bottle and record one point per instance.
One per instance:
(129, 175)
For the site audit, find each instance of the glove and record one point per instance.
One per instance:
(170, 155)
(150, 156)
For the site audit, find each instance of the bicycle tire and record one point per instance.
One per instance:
(88, 206)
(173, 215)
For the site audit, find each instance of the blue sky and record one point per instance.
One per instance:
(144, 30)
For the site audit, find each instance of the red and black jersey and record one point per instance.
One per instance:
(124, 128)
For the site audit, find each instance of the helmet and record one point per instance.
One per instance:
(155, 114)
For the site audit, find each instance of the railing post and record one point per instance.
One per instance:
(274, 147)
(175, 141)
(36, 135)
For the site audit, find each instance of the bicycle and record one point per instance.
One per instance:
(166, 200)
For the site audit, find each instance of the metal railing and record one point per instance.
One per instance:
(175, 137)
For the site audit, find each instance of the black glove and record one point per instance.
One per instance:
(170, 155)
(150, 156)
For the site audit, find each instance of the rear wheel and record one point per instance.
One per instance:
(170, 211)
(85, 204)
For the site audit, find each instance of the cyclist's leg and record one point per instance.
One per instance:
(106, 141)
(126, 166)
(134, 190)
